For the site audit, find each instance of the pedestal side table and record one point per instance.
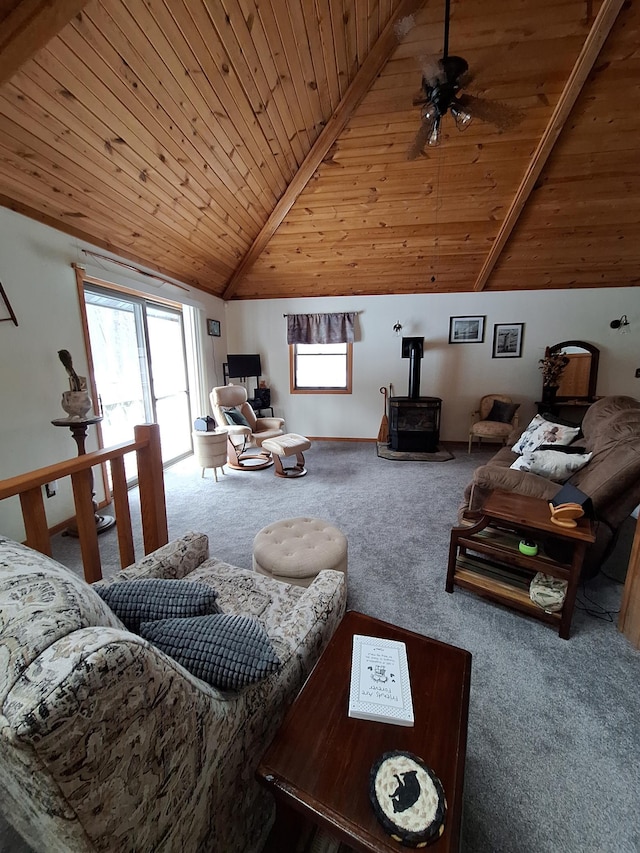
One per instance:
(210, 449)
(79, 428)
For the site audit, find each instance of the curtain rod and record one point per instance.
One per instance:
(323, 312)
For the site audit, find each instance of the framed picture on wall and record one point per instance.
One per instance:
(466, 330)
(507, 340)
(213, 328)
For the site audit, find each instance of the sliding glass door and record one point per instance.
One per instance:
(140, 370)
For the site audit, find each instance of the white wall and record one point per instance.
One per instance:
(35, 269)
(458, 373)
(36, 272)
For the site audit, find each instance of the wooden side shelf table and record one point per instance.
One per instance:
(485, 559)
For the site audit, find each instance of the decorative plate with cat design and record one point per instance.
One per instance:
(407, 798)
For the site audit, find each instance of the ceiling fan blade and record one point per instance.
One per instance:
(466, 78)
(501, 115)
(419, 143)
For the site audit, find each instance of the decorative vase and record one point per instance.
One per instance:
(549, 393)
(76, 404)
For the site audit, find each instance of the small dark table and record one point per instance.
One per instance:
(319, 761)
(571, 410)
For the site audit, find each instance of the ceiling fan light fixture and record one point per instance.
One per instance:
(462, 118)
(434, 136)
(429, 113)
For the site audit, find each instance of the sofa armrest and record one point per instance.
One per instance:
(270, 423)
(238, 430)
(490, 478)
(493, 478)
(316, 614)
(176, 559)
(100, 710)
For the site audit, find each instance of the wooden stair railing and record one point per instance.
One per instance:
(146, 445)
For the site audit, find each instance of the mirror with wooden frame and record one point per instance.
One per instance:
(579, 378)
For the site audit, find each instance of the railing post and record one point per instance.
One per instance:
(151, 485)
(35, 520)
(82, 482)
(122, 511)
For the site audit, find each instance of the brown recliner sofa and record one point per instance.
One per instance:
(611, 478)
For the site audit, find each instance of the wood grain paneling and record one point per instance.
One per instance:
(220, 142)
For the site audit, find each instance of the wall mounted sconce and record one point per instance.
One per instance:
(398, 328)
(620, 324)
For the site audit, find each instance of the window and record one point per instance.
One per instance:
(320, 368)
(138, 352)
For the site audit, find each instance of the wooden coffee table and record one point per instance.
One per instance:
(320, 759)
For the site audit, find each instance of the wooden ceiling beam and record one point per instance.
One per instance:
(600, 29)
(362, 82)
(28, 27)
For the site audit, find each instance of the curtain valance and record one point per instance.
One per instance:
(320, 328)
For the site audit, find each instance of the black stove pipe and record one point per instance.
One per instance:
(414, 374)
(412, 349)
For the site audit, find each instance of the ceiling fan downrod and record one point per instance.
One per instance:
(445, 46)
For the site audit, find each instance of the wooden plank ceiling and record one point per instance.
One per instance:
(259, 149)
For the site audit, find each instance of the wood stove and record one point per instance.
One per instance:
(414, 421)
(414, 424)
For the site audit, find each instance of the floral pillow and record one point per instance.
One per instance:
(541, 431)
(552, 464)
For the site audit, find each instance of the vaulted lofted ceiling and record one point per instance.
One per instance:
(258, 148)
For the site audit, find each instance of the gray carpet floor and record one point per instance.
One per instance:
(553, 759)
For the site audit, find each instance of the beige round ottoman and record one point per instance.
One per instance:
(294, 550)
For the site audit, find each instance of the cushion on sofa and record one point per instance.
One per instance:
(554, 464)
(541, 431)
(138, 601)
(235, 416)
(502, 412)
(227, 651)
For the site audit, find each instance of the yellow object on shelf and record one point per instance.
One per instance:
(565, 515)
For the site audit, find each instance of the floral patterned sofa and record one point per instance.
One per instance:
(107, 743)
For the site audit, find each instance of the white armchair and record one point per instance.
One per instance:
(107, 743)
(245, 430)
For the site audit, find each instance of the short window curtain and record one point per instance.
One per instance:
(320, 328)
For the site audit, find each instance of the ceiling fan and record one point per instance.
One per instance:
(442, 81)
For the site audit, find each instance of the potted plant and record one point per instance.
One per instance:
(551, 366)
(76, 402)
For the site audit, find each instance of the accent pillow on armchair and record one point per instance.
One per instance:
(502, 412)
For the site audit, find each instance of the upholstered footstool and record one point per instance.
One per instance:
(294, 550)
(288, 444)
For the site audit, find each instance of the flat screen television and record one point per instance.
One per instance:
(239, 366)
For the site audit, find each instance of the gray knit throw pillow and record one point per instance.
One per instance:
(147, 599)
(227, 651)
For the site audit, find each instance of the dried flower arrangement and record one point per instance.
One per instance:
(74, 380)
(552, 366)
